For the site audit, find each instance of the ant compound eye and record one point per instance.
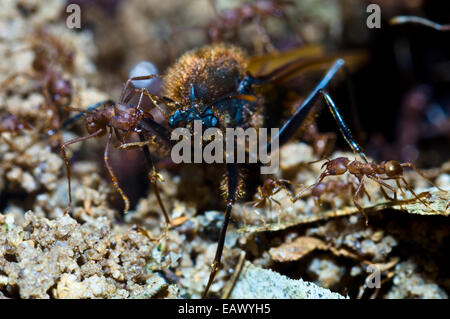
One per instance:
(143, 68)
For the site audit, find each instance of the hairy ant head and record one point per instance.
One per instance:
(203, 82)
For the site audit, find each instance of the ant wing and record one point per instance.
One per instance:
(264, 64)
(279, 68)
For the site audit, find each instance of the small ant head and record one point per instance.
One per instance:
(98, 120)
(393, 168)
(61, 91)
(337, 166)
(269, 185)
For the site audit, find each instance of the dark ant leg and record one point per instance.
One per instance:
(66, 160)
(154, 177)
(295, 121)
(113, 177)
(421, 21)
(233, 182)
(345, 131)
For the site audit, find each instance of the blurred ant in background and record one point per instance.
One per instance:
(227, 23)
(329, 191)
(51, 59)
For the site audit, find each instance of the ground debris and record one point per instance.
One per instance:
(438, 200)
(258, 283)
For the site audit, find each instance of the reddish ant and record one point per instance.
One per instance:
(122, 120)
(331, 189)
(227, 22)
(271, 186)
(386, 170)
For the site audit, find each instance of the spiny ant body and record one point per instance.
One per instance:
(122, 120)
(270, 187)
(386, 170)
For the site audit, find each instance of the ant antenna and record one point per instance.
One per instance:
(421, 21)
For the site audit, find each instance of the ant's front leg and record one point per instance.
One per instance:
(301, 114)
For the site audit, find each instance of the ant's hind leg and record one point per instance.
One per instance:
(416, 196)
(411, 165)
(113, 177)
(232, 189)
